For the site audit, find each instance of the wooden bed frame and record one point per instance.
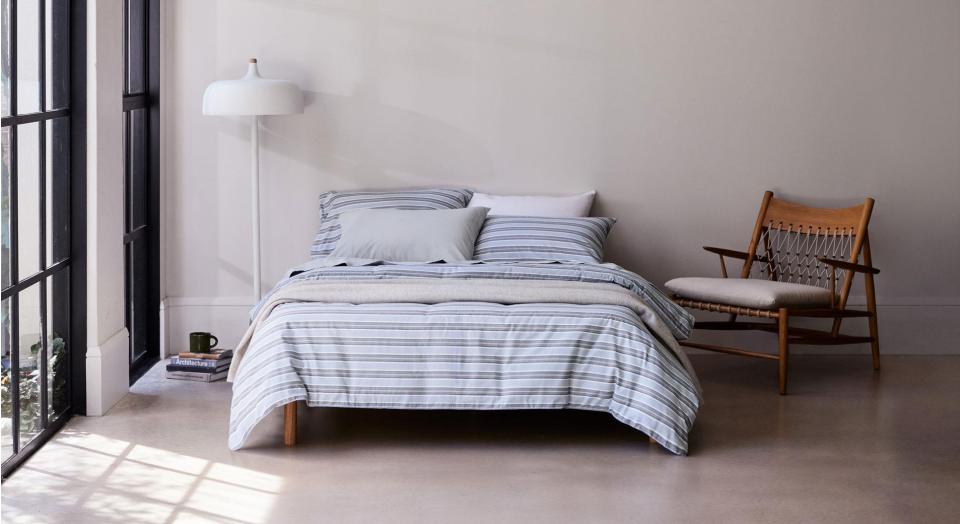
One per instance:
(779, 216)
(290, 425)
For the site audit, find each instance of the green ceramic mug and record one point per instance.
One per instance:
(202, 342)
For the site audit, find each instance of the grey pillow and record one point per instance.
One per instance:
(333, 203)
(398, 235)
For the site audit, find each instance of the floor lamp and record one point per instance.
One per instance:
(253, 96)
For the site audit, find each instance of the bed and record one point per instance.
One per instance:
(477, 335)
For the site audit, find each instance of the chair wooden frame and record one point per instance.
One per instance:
(823, 225)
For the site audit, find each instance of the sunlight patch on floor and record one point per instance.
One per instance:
(110, 480)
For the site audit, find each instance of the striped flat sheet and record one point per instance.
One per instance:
(470, 355)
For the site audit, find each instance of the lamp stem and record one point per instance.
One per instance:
(255, 194)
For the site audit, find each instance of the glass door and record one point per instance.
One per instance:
(40, 186)
(141, 182)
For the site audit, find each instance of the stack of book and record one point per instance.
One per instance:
(200, 367)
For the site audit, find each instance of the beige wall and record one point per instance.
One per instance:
(680, 113)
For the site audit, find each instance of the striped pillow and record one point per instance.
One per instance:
(332, 203)
(530, 239)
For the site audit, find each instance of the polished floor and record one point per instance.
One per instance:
(847, 445)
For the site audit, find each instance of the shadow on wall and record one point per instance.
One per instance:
(357, 142)
(347, 142)
(371, 128)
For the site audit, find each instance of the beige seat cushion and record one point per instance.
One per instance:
(751, 293)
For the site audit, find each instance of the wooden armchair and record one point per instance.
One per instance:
(801, 263)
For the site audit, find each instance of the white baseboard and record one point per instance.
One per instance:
(910, 329)
(108, 373)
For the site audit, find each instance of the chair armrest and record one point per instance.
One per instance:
(732, 253)
(840, 264)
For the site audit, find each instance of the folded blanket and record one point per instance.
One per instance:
(440, 291)
(678, 319)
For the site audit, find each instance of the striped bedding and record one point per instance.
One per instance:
(532, 239)
(471, 355)
(333, 203)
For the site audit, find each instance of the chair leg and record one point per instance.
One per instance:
(874, 331)
(782, 323)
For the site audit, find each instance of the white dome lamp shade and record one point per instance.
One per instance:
(253, 96)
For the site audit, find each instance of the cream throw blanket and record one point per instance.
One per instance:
(461, 290)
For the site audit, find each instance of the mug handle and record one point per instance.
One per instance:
(215, 341)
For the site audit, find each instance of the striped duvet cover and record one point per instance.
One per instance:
(471, 355)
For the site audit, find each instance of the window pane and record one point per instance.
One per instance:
(137, 164)
(58, 330)
(28, 200)
(30, 346)
(5, 57)
(28, 56)
(6, 406)
(126, 173)
(136, 11)
(137, 305)
(58, 190)
(57, 61)
(5, 218)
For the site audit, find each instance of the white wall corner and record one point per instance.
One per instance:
(107, 357)
(162, 197)
(225, 317)
(108, 373)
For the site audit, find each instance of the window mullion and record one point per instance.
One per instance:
(145, 49)
(42, 365)
(42, 52)
(40, 116)
(42, 195)
(13, 58)
(54, 268)
(126, 47)
(14, 227)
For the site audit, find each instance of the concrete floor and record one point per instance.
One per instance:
(846, 446)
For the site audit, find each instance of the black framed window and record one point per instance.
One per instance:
(141, 181)
(42, 221)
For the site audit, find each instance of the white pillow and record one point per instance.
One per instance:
(540, 206)
(398, 235)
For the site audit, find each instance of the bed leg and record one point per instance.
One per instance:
(290, 424)
(652, 441)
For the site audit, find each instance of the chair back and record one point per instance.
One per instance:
(788, 238)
